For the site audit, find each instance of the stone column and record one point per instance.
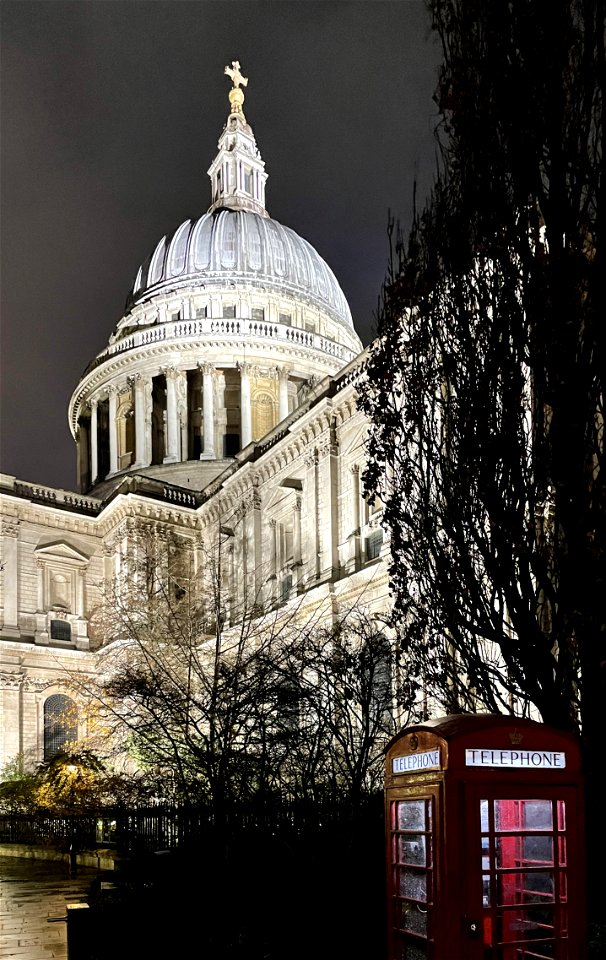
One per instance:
(139, 392)
(113, 430)
(80, 575)
(181, 400)
(10, 531)
(245, 405)
(172, 423)
(355, 495)
(208, 412)
(297, 545)
(94, 451)
(148, 406)
(283, 395)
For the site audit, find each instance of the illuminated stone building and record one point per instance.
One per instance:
(225, 398)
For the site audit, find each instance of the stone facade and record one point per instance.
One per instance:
(224, 408)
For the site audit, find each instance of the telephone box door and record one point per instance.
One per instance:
(414, 839)
(522, 848)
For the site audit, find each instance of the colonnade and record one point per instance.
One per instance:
(119, 433)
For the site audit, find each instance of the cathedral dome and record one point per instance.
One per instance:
(230, 321)
(244, 247)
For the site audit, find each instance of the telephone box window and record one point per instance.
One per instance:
(60, 630)
(524, 879)
(412, 864)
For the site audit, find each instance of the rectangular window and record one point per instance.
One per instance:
(201, 312)
(286, 587)
(176, 315)
(373, 545)
(229, 310)
(60, 630)
(286, 318)
(412, 868)
(258, 313)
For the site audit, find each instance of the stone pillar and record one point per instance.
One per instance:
(256, 548)
(172, 423)
(245, 405)
(208, 412)
(181, 400)
(80, 574)
(139, 391)
(355, 495)
(10, 531)
(113, 430)
(297, 546)
(94, 450)
(147, 387)
(283, 395)
(273, 550)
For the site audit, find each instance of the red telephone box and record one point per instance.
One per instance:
(485, 841)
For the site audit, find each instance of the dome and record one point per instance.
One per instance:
(244, 247)
(230, 322)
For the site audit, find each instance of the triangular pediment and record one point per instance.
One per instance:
(60, 550)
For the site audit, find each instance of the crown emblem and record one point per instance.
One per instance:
(516, 737)
(414, 741)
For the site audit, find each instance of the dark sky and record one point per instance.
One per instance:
(111, 111)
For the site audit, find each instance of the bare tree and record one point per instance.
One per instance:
(486, 384)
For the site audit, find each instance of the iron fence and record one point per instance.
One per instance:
(154, 828)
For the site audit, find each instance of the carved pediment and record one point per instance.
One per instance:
(60, 550)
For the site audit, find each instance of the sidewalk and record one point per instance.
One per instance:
(32, 892)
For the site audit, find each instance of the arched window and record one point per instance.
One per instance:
(60, 724)
(264, 418)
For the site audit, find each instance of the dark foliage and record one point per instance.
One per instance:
(485, 386)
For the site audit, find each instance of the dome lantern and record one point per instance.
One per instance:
(237, 174)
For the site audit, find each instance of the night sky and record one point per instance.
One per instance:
(110, 114)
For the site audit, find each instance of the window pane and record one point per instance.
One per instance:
(411, 815)
(60, 630)
(412, 850)
(523, 814)
(414, 919)
(413, 884)
(515, 888)
(60, 724)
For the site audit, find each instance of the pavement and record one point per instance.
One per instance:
(33, 905)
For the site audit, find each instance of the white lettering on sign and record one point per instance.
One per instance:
(430, 760)
(529, 759)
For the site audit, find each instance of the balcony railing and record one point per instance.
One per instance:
(234, 328)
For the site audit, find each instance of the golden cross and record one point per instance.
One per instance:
(236, 76)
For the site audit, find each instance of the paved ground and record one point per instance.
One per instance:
(31, 893)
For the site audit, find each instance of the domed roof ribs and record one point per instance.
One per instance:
(237, 174)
